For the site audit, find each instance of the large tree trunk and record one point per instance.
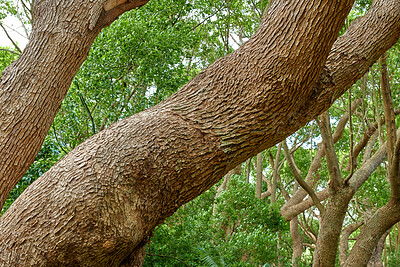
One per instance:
(97, 206)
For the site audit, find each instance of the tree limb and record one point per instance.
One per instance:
(331, 158)
(300, 180)
(9, 37)
(344, 240)
(10, 51)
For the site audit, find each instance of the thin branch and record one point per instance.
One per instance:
(204, 20)
(21, 19)
(300, 180)
(259, 175)
(369, 166)
(10, 51)
(331, 158)
(366, 137)
(393, 146)
(9, 37)
(351, 159)
(86, 108)
(387, 107)
(248, 162)
(275, 173)
(58, 141)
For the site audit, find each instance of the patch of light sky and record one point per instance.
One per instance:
(16, 32)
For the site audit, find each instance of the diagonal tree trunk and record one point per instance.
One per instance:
(97, 206)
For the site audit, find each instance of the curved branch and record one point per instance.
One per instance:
(300, 180)
(10, 51)
(114, 8)
(344, 240)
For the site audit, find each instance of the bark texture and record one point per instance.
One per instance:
(101, 201)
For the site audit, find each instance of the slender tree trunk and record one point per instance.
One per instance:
(259, 175)
(248, 162)
(297, 242)
(275, 174)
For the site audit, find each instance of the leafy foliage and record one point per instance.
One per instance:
(6, 58)
(236, 235)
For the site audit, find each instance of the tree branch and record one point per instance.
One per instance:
(331, 158)
(300, 180)
(344, 240)
(316, 163)
(10, 51)
(9, 37)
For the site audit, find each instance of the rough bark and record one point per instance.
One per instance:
(335, 210)
(97, 205)
(371, 233)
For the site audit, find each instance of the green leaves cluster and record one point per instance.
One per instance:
(6, 58)
(7, 8)
(242, 231)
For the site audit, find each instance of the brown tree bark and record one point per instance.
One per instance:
(340, 194)
(100, 202)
